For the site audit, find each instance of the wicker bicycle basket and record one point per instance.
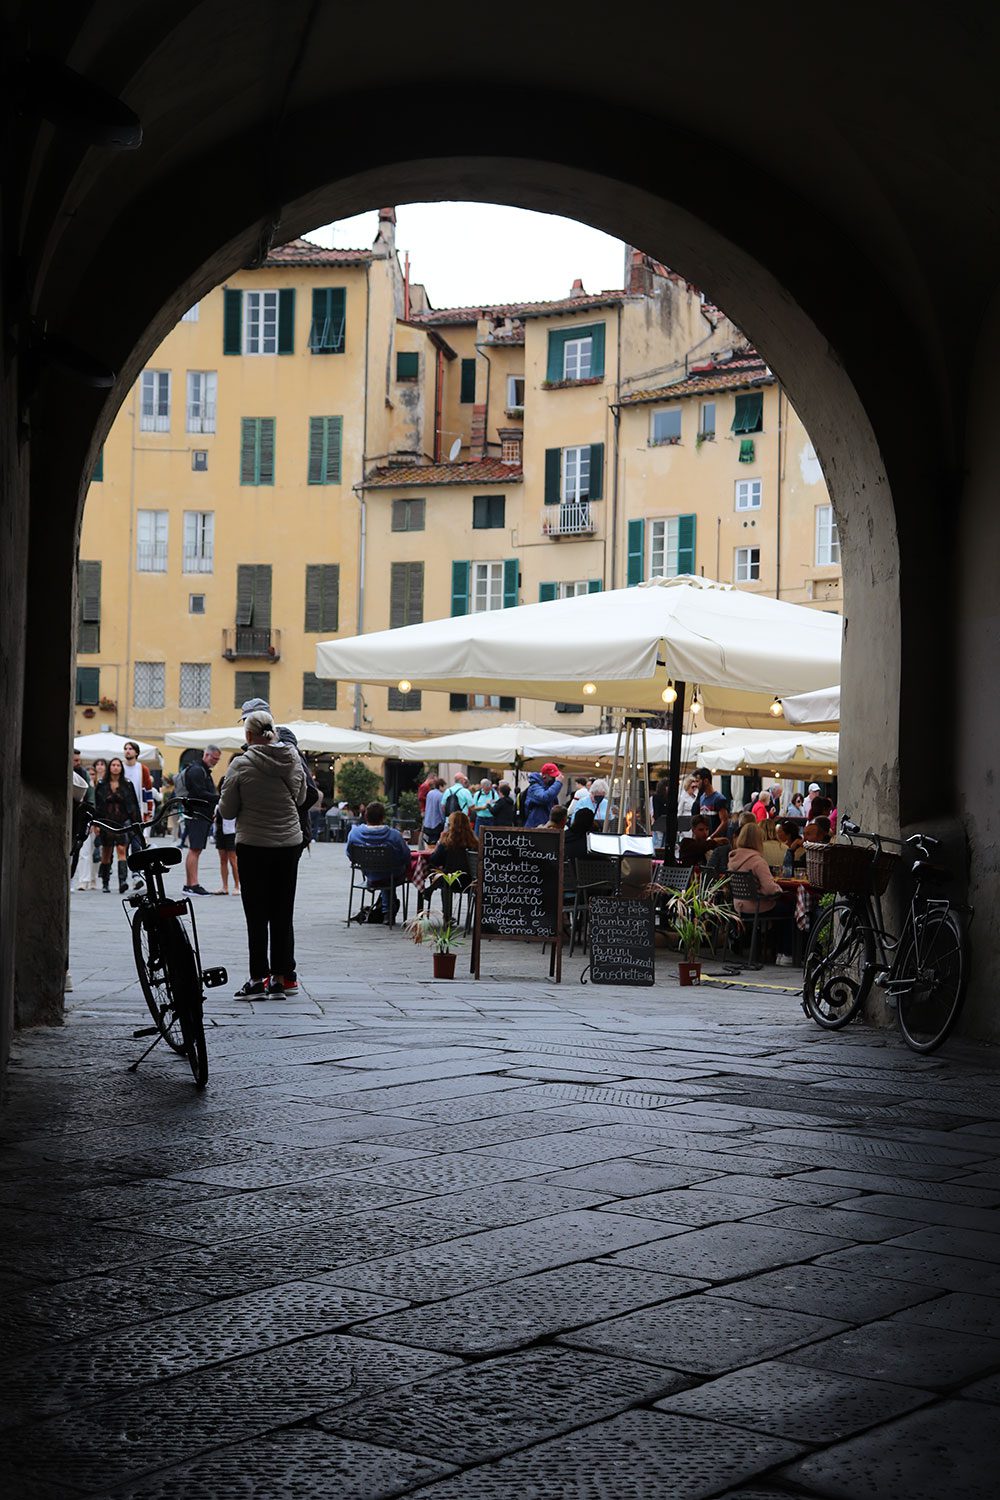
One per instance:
(850, 869)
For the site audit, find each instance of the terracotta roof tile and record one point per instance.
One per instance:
(745, 372)
(585, 303)
(305, 253)
(477, 471)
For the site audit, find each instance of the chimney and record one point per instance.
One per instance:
(577, 289)
(638, 273)
(385, 239)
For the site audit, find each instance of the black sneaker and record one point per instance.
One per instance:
(275, 988)
(254, 989)
(196, 890)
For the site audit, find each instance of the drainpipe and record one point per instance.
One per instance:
(777, 578)
(480, 349)
(616, 412)
(438, 399)
(359, 491)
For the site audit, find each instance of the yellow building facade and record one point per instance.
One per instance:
(316, 450)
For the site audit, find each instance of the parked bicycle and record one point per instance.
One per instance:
(924, 972)
(167, 956)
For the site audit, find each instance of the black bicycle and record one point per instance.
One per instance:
(167, 956)
(924, 972)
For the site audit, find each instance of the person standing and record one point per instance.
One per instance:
(807, 806)
(116, 804)
(82, 870)
(686, 797)
(459, 789)
(581, 798)
(504, 811)
(423, 790)
(483, 802)
(200, 798)
(542, 795)
(433, 825)
(711, 804)
(141, 779)
(263, 790)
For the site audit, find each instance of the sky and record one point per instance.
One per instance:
(472, 253)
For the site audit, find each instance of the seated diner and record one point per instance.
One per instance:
(774, 903)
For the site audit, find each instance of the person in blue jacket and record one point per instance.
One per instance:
(542, 795)
(374, 834)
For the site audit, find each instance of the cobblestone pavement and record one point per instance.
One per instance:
(505, 1239)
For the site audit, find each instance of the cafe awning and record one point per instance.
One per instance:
(618, 648)
(103, 746)
(788, 752)
(327, 739)
(810, 710)
(499, 745)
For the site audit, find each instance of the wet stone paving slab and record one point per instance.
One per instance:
(505, 1239)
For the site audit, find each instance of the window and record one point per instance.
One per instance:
(151, 541)
(148, 684)
(749, 413)
(576, 474)
(671, 546)
(515, 392)
(260, 323)
(196, 685)
(706, 421)
(569, 708)
(467, 393)
(98, 473)
(88, 608)
(572, 590)
(154, 401)
(199, 460)
(322, 598)
(88, 685)
(406, 594)
(575, 353)
(325, 442)
(827, 537)
(488, 512)
(196, 604)
(191, 316)
(403, 702)
(666, 426)
(577, 359)
(252, 685)
(253, 600)
(510, 451)
(199, 541)
(748, 494)
(318, 692)
(487, 586)
(408, 515)
(459, 703)
(747, 568)
(257, 450)
(329, 318)
(201, 392)
(407, 365)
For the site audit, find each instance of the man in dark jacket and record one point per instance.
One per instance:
(542, 795)
(200, 799)
(504, 812)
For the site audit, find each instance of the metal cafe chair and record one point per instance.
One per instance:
(598, 877)
(381, 862)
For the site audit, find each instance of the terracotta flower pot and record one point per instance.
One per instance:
(690, 973)
(444, 965)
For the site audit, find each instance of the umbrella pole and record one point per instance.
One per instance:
(674, 779)
(615, 762)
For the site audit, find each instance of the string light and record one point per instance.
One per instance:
(776, 709)
(669, 694)
(404, 684)
(696, 704)
(590, 688)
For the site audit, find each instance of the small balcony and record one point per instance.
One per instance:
(247, 641)
(572, 518)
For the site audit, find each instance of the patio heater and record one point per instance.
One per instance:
(629, 770)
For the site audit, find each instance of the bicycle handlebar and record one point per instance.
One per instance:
(923, 842)
(125, 829)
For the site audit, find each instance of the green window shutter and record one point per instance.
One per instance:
(252, 685)
(286, 321)
(468, 392)
(98, 473)
(594, 585)
(325, 444)
(402, 702)
(636, 546)
(685, 543)
(318, 692)
(553, 476)
(320, 321)
(597, 351)
(88, 685)
(322, 597)
(317, 450)
(406, 594)
(557, 343)
(244, 594)
(511, 579)
(407, 365)
(488, 512)
(232, 322)
(329, 316)
(460, 588)
(249, 438)
(458, 702)
(262, 596)
(334, 447)
(88, 628)
(336, 339)
(546, 591)
(265, 464)
(749, 413)
(596, 471)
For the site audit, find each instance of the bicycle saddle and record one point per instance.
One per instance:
(148, 859)
(925, 869)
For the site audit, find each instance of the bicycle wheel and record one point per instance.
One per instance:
(935, 961)
(185, 987)
(150, 946)
(838, 966)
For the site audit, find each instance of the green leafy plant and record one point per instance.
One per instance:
(444, 937)
(356, 784)
(408, 809)
(697, 911)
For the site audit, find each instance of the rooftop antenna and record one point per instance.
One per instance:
(454, 450)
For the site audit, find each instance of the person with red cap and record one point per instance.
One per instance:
(542, 795)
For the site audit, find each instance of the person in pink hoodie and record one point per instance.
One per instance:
(748, 858)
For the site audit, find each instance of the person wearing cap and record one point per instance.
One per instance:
(542, 794)
(254, 706)
(711, 804)
(807, 805)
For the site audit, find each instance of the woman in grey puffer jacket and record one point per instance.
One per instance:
(262, 791)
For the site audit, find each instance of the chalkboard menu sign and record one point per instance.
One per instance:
(520, 888)
(621, 936)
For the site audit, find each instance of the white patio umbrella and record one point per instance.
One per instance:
(500, 745)
(719, 749)
(103, 746)
(323, 738)
(615, 648)
(810, 710)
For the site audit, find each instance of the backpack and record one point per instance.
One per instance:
(180, 783)
(451, 804)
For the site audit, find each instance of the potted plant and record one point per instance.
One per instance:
(443, 936)
(694, 913)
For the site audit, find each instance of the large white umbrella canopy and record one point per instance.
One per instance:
(322, 738)
(103, 746)
(616, 648)
(499, 745)
(719, 749)
(814, 709)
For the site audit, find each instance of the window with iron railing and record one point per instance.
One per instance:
(154, 401)
(151, 528)
(202, 387)
(199, 541)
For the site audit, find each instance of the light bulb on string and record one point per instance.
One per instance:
(590, 688)
(669, 694)
(696, 704)
(776, 709)
(404, 684)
